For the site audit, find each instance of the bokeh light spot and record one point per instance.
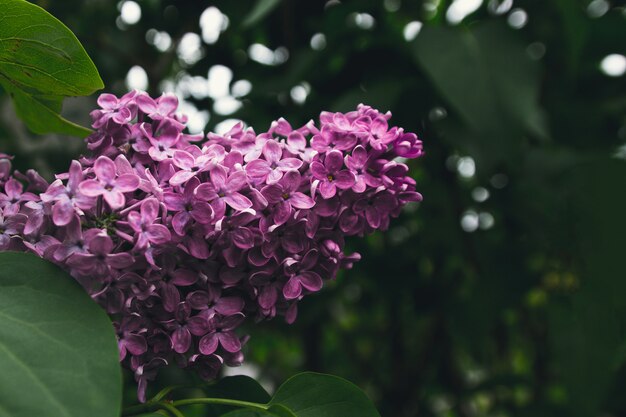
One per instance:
(411, 30)
(137, 78)
(517, 19)
(460, 9)
(130, 12)
(614, 65)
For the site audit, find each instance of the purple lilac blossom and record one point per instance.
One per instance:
(181, 239)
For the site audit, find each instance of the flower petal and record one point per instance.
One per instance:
(91, 188)
(127, 183)
(301, 201)
(229, 305)
(236, 181)
(183, 160)
(120, 260)
(181, 340)
(181, 177)
(208, 344)
(272, 151)
(328, 189)
(184, 277)
(238, 201)
(114, 199)
(230, 342)
(149, 210)
(267, 297)
(104, 169)
(290, 163)
(318, 170)
(344, 179)
(311, 281)
(292, 288)
(158, 234)
(333, 161)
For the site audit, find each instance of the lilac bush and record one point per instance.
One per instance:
(182, 238)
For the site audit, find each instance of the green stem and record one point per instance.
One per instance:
(163, 393)
(169, 405)
(222, 401)
(171, 409)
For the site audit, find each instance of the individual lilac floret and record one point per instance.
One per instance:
(224, 188)
(330, 174)
(108, 184)
(146, 231)
(120, 111)
(181, 239)
(285, 197)
(272, 168)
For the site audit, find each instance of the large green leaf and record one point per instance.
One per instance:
(238, 387)
(58, 351)
(589, 327)
(41, 113)
(485, 75)
(247, 413)
(317, 395)
(41, 63)
(483, 71)
(38, 51)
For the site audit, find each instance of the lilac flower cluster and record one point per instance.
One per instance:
(181, 237)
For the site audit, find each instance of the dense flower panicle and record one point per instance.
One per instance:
(181, 239)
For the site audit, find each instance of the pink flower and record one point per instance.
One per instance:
(14, 196)
(285, 196)
(301, 275)
(271, 169)
(191, 165)
(224, 189)
(108, 184)
(330, 175)
(143, 223)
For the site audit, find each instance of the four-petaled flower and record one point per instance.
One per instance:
(330, 175)
(108, 184)
(271, 169)
(285, 196)
(301, 275)
(100, 256)
(147, 231)
(221, 333)
(224, 189)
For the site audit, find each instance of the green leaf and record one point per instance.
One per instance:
(485, 75)
(279, 410)
(39, 52)
(587, 328)
(41, 113)
(238, 387)
(246, 413)
(58, 351)
(482, 72)
(275, 410)
(261, 9)
(317, 395)
(42, 62)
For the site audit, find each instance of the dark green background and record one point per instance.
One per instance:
(523, 318)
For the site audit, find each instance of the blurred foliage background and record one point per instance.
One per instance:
(503, 293)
